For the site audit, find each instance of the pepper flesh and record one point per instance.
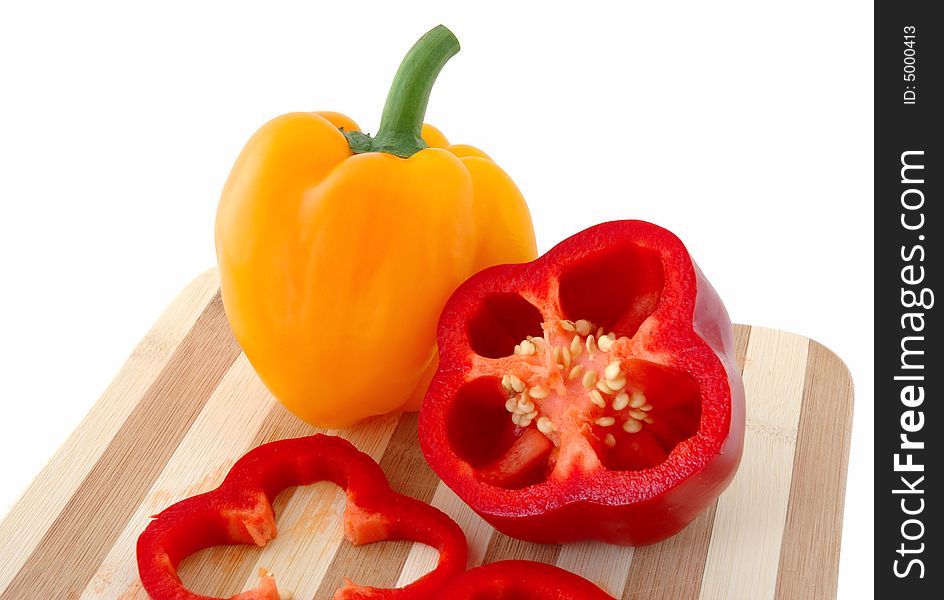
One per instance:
(590, 394)
(337, 251)
(240, 511)
(517, 579)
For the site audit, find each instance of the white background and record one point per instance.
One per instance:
(744, 127)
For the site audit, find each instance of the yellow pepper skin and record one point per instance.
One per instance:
(335, 258)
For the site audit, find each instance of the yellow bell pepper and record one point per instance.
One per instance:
(338, 250)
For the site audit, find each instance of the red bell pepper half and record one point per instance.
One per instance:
(589, 394)
(519, 579)
(240, 511)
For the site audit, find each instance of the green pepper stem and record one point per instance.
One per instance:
(402, 118)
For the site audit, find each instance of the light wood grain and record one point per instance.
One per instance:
(744, 551)
(604, 564)
(187, 405)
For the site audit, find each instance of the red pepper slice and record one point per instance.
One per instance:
(589, 394)
(240, 511)
(520, 579)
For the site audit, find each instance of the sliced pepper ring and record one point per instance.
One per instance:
(239, 511)
(590, 394)
(518, 579)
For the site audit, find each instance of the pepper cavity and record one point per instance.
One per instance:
(562, 379)
(554, 400)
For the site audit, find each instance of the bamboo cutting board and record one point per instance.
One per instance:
(187, 404)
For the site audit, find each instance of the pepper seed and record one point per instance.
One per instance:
(583, 326)
(621, 401)
(516, 383)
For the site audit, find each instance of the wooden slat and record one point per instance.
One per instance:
(94, 516)
(809, 555)
(43, 501)
(404, 464)
(502, 547)
(604, 564)
(742, 338)
(674, 568)
(744, 551)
